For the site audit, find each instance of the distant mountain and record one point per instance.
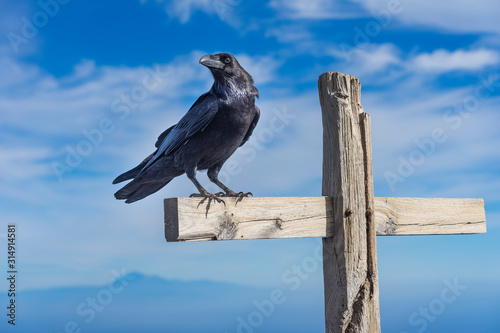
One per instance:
(139, 303)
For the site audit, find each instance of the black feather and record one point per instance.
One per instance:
(132, 173)
(162, 136)
(219, 122)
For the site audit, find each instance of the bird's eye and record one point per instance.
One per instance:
(227, 60)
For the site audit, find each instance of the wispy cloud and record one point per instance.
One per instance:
(317, 9)
(444, 61)
(262, 68)
(404, 119)
(183, 10)
(37, 99)
(462, 16)
(289, 33)
(372, 58)
(25, 163)
(388, 58)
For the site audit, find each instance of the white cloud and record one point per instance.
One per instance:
(289, 33)
(23, 163)
(41, 104)
(184, 9)
(262, 68)
(373, 59)
(404, 117)
(16, 74)
(458, 16)
(316, 9)
(444, 61)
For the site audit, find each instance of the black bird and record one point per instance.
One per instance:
(219, 122)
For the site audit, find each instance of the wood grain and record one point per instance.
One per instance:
(252, 218)
(427, 216)
(373, 310)
(255, 218)
(350, 306)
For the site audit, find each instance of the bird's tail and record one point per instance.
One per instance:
(136, 190)
(128, 175)
(132, 173)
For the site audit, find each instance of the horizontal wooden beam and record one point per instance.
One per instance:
(251, 218)
(189, 219)
(428, 216)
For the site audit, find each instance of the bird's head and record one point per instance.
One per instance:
(223, 63)
(227, 70)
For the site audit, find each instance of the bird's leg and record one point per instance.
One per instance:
(191, 174)
(213, 174)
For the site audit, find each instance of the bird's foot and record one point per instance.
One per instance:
(207, 195)
(232, 194)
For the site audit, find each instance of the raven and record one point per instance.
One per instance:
(219, 122)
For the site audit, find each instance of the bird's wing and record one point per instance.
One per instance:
(162, 136)
(195, 120)
(252, 126)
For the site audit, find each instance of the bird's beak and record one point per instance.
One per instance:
(211, 61)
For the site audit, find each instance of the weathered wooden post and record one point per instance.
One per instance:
(349, 257)
(348, 218)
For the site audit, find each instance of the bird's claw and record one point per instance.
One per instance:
(242, 195)
(208, 196)
(231, 194)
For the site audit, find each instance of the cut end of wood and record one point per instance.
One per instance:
(171, 209)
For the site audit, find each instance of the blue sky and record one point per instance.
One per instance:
(87, 86)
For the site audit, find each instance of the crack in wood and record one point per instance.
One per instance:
(302, 218)
(357, 312)
(371, 257)
(341, 94)
(435, 224)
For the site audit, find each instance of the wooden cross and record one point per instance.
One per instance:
(348, 217)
